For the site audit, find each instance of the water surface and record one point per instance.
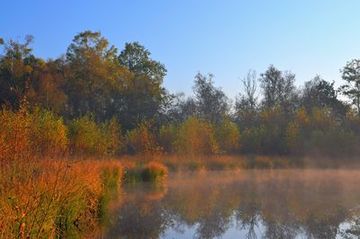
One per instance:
(242, 204)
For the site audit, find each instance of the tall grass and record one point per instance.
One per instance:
(154, 172)
(41, 196)
(58, 198)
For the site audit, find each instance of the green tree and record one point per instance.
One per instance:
(212, 103)
(16, 66)
(278, 89)
(320, 93)
(93, 75)
(246, 105)
(351, 74)
(137, 59)
(142, 97)
(47, 86)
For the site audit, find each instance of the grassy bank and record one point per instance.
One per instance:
(56, 198)
(178, 162)
(214, 162)
(69, 198)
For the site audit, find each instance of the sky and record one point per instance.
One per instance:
(226, 38)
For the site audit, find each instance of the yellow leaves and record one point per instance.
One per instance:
(302, 117)
(49, 134)
(88, 137)
(321, 118)
(25, 134)
(228, 136)
(292, 135)
(196, 137)
(142, 140)
(15, 135)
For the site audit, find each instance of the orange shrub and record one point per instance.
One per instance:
(86, 136)
(15, 141)
(196, 136)
(58, 199)
(48, 133)
(228, 136)
(142, 140)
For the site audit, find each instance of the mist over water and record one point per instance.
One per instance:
(242, 204)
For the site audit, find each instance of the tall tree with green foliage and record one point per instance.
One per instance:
(320, 93)
(212, 103)
(92, 76)
(246, 105)
(16, 67)
(143, 96)
(278, 89)
(351, 74)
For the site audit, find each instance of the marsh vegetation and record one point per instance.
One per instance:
(78, 130)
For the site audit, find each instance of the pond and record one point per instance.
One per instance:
(241, 204)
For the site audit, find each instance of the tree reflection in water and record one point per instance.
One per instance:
(243, 204)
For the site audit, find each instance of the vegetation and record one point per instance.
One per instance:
(106, 103)
(154, 172)
(96, 102)
(47, 198)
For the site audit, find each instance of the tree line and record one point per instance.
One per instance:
(97, 99)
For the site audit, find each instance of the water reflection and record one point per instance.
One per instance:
(243, 204)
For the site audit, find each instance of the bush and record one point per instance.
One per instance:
(88, 137)
(114, 140)
(333, 143)
(24, 134)
(142, 140)
(167, 137)
(151, 172)
(48, 133)
(154, 172)
(196, 136)
(15, 140)
(60, 199)
(228, 136)
(251, 139)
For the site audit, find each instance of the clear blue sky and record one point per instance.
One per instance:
(226, 38)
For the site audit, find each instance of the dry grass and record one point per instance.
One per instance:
(138, 169)
(54, 198)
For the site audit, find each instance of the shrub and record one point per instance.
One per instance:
(294, 138)
(154, 172)
(151, 172)
(167, 137)
(88, 137)
(142, 140)
(60, 199)
(251, 139)
(15, 141)
(114, 140)
(25, 134)
(334, 143)
(48, 133)
(196, 136)
(228, 136)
